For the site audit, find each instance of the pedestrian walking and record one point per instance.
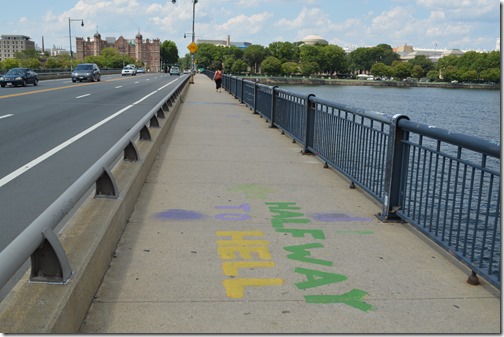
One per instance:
(218, 80)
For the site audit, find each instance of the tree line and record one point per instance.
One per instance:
(290, 59)
(293, 59)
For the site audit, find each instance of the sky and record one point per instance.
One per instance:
(436, 24)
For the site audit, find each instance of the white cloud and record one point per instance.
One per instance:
(242, 23)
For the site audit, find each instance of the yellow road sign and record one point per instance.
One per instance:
(192, 47)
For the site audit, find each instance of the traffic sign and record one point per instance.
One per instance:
(192, 47)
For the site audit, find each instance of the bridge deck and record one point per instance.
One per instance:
(237, 232)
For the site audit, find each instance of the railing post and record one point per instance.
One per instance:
(310, 124)
(255, 98)
(273, 106)
(395, 170)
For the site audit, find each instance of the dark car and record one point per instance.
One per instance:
(86, 71)
(19, 76)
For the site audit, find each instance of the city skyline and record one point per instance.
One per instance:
(441, 24)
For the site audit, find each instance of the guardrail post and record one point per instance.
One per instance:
(145, 134)
(49, 263)
(131, 152)
(310, 124)
(106, 185)
(395, 171)
(154, 123)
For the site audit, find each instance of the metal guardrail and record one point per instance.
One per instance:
(39, 242)
(445, 184)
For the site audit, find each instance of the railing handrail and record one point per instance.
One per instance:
(22, 247)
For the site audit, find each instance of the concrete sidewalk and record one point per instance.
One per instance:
(237, 232)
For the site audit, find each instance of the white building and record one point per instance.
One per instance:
(11, 44)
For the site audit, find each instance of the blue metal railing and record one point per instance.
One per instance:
(445, 184)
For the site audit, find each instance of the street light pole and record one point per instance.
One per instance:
(70, 37)
(193, 70)
(194, 2)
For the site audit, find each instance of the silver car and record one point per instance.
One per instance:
(86, 71)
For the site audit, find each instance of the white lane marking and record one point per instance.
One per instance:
(141, 99)
(5, 116)
(137, 82)
(58, 148)
(83, 96)
(118, 87)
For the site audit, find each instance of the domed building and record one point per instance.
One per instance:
(314, 39)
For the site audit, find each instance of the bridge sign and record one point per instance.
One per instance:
(192, 47)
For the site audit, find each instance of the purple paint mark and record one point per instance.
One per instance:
(179, 214)
(334, 217)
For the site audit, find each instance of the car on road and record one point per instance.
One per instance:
(140, 70)
(86, 71)
(174, 71)
(130, 69)
(19, 76)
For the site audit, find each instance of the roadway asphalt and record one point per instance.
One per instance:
(51, 133)
(236, 231)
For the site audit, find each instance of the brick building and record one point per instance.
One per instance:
(147, 52)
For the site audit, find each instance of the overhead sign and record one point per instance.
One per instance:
(192, 47)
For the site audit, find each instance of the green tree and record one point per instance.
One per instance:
(284, 51)
(9, 63)
(254, 55)
(271, 66)
(169, 52)
(309, 68)
(417, 71)
(402, 69)
(239, 67)
(309, 53)
(450, 73)
(290, 68)
(424, 62)
(381, 69)
(332, 59)
(383, 53)
(360, 60)
(54, 62)
(491, 74)
(206, 54)
(469, 75)
(433, 75)
(32, 63)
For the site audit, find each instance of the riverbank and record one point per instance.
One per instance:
(396, 84)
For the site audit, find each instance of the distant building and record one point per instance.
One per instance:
(225, 43)
(11, 44)
(409, 53)
(144, 51)
(497, 44)
(314, 39)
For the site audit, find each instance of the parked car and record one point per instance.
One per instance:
(174, 71)
(19, 76)
(129, 70)
(140, 70)
(86, 71)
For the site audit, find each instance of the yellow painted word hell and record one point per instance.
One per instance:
(250, 254)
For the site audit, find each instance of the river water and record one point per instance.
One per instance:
(469, 111)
